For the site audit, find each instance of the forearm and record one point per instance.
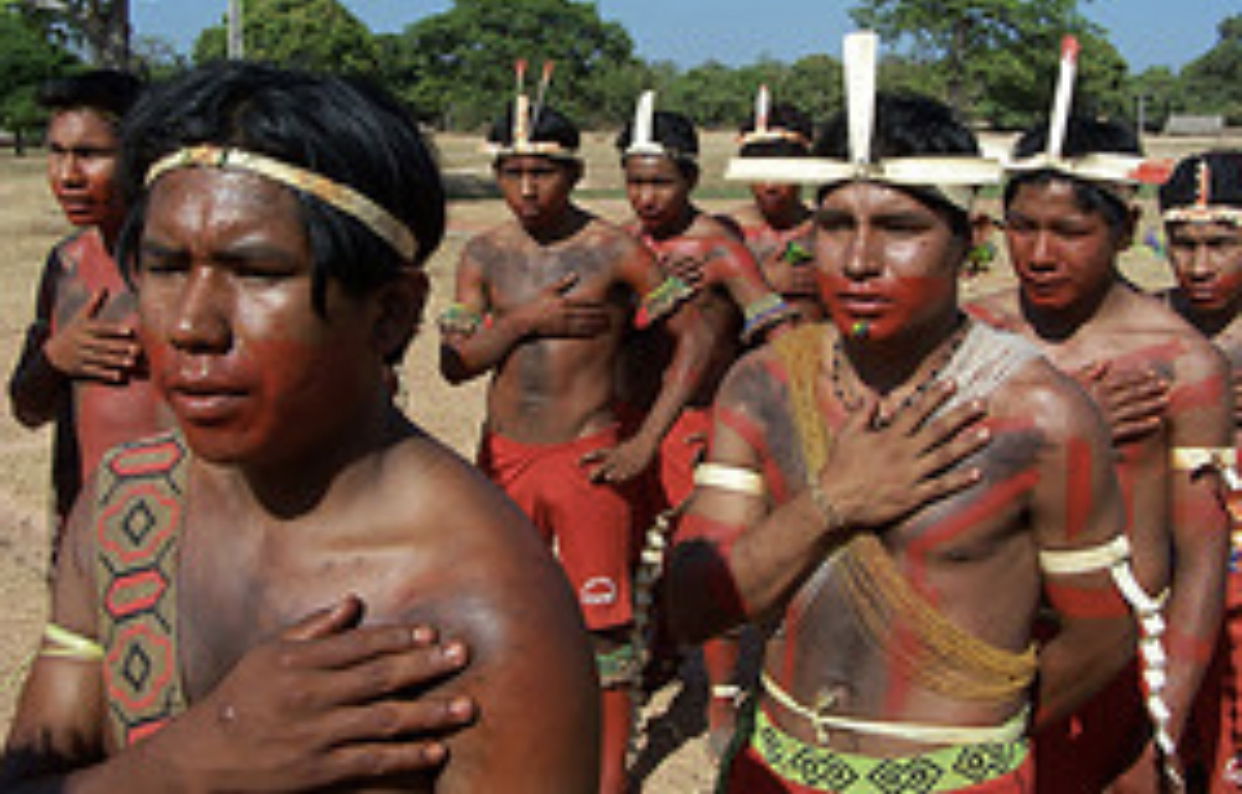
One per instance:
(714, 586)
(466, 356)
(1193, 620)
(37, 388)
(1079, 661)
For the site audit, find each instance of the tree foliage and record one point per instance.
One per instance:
(995, 60)
(310, 34)
(99, 27)
(1215, 78)
(27, 58)
(459, 64)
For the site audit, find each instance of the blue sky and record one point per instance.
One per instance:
(737, 32)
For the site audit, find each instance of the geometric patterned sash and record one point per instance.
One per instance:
(137, 516)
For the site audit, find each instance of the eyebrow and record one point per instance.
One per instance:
(241, 251)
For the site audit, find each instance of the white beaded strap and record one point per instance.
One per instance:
(1060, 562)
(1011, 730)
(729, 478)
(1195, 458)
(1154, 661)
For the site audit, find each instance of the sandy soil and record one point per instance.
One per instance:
(673, 755)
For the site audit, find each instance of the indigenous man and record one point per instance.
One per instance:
(239, 605)
(658, 154)
(1068, 216)
(776, 225)
(81, 365)
(1202, 212)
(543, 303)
(900, 560)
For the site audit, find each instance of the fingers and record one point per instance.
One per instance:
(394, 718)
(327, 621)
(396, 671)
(953, 424)
(565, 283)
(924, 406)
(93, 304)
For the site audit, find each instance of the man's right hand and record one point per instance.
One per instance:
(873, 476)
(1134, 402)
(555, 313)
(87, 347)
(325, 703)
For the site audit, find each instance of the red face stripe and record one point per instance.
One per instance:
(1077, 487)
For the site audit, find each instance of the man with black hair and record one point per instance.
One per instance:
(543, 303)
(776, 224)
(81, 365)
(659, 151)
(244, 604)
(1068, 216)
(895, 548)
(1201, 206)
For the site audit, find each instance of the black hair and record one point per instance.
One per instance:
(549, 125)
(1083, 136)
(784, 116)
(110, 92)
(1224, 180)
(907, 125)
(347, 130)
(675, 132)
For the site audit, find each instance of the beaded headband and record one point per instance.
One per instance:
(955, 178)
(1116, 172)
(643, 128)
(526, 118)
(383, 223)
(764, 132)
(1206, 207)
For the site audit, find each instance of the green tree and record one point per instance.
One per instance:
(1214, 79)
(456, 67)
(27, 58)
(813, 84)
(310, 34)
(1160, 92)
(994, 59)
(100, 27)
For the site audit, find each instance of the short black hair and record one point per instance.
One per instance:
(906, 125)
(785, 116)
(675, 132)
(1224, 168)
(549, 125)
(348, 130)
(110, 92)
(1083, 136)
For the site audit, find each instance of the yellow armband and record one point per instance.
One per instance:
(729, 478)
(64, 644)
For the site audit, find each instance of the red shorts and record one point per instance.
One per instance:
(1217, 721)
(592, 527)
(1084, 752)
(683, 447)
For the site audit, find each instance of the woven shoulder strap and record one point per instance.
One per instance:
(138, 516)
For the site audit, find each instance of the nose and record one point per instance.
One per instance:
(67, 169)
(1200, 263)
(526, 186)
(1042, 251)
(200, 322)
(861, 259)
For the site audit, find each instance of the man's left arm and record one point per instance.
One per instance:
(1200, 417)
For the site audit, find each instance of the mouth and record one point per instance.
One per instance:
(200, 402)
(862, 304)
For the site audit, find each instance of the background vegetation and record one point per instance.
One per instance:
(991, 59)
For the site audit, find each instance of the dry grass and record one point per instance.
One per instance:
(30, 224)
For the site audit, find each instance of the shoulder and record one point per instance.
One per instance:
(999, 309)
(1193, 356)
(758, 382)
(1048, 400)
(492, 242)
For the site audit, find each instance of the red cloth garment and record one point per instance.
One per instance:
(592, 527)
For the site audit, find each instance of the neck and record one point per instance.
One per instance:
(676, 227)
(1060, 323)
(292, 484)
(788, 216)
(1209, 322)
(566, 224)
(885, 366)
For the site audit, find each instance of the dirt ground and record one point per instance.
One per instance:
(673, 757)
